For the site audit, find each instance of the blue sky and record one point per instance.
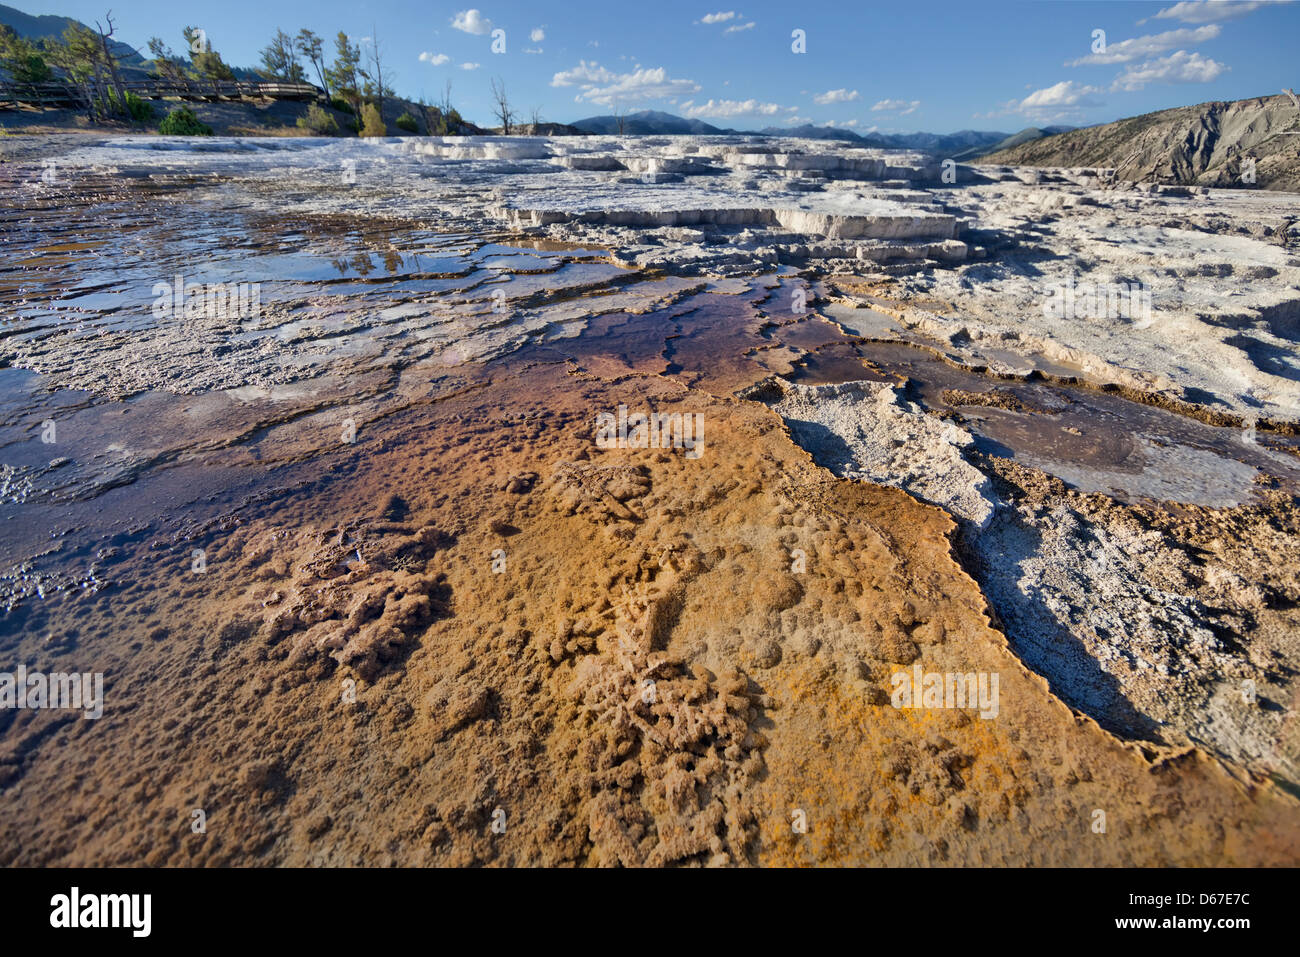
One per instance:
(935, 66)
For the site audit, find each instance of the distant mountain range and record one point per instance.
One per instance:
(648, 123)
(962, 145)
(1254, 142)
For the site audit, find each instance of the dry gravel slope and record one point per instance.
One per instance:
(1203, 144)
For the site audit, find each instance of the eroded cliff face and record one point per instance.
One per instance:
(1207, 145)
(367, 583)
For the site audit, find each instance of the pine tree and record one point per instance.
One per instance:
(344, 75)
(166, 64)
(21, 59)
(309, 45)
(206, 61)
(280, 59)
(79, 57)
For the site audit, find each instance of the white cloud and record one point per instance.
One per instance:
(737, 28)
(437, 59)
(796, 120)
(1180, 67)
(1210, 11)
(538, 35)
(533, 50)
(607, 88)
(842, 123)
(583, 74)
(835, 96)
(471, 21)
(1054, 104)
(470, 66)
(729, 108)
(1065, 93)
(718, 17)
(902, 107)
(1126, 51)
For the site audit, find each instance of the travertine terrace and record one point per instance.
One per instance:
(363, 585)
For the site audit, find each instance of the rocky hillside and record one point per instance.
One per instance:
(1206, 145)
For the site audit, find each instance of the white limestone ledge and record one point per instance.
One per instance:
(829, 216)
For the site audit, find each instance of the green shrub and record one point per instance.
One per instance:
(372, 124)
(340, 104)
(319, 122)
(139, 110)
(182, 122)
(407, 122)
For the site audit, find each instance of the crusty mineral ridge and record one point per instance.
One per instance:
(866, 430)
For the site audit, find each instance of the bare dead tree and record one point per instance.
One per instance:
(377, 67)
(620, 118)
(536, 117)
(112, 60)
(431, 115)
(501, 109)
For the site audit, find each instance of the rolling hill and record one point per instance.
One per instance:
(1210, 144)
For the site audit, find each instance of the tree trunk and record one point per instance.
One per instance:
(112, 68)
(379, 68)
(98, 100)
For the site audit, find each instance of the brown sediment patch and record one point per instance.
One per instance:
(997, 399)
(646, 679)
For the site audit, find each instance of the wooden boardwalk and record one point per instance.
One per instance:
(57, 94)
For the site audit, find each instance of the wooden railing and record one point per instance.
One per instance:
(65, 94)
(38, 94)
